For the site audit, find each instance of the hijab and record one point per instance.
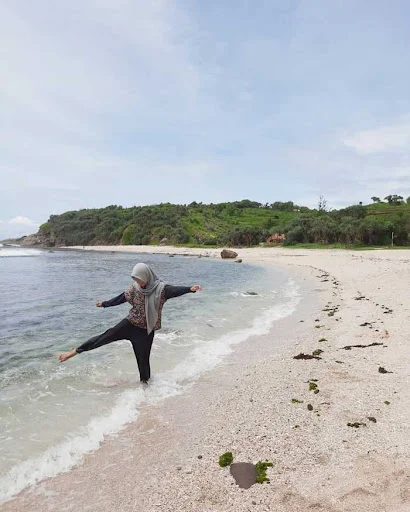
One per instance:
(152, 292)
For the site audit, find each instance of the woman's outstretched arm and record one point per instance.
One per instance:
(116, 301)
(176, 291)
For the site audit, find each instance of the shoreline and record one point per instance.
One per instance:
(322, 463)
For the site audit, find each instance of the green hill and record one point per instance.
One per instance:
(231, 223)
(241, 223)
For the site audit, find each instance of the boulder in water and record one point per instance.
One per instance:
(228, 254)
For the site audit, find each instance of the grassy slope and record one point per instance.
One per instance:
(210, 223)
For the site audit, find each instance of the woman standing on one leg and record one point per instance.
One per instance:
(147, 296)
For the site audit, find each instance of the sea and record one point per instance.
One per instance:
(51, 413)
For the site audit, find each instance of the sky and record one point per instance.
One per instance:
(135, 102)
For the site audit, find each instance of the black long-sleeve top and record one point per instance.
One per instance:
(170, 292)
(136, 314)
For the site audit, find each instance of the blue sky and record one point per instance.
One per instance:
(138, 102)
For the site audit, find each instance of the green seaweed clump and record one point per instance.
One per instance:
(312, 386)
(296, 401)
(387, 402)
(261, 468)
(317, 352)
(356, 424)
(226, 459)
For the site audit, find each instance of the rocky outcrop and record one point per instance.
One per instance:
(228, 254)
(164, 241)
(35, 240)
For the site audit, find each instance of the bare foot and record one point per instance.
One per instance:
(67, 355)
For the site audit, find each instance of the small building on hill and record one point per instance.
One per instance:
(276, 238)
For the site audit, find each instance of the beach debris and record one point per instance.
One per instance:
(306, 356)
(199, 456)
(372, 418)
(317, 352)
(322, 339)
(244, 474)
(296, 426)
(313, 387)
(340, 362)
(239, 260)
(383, 370)
(331, 310)
(317, 320)
(356, 424)
(387, 402)
(309, 407)
(360, 297)
(296, 401)
(250, 293)
(319, 326)
(349, 347)
(179, 468)
(225, 459)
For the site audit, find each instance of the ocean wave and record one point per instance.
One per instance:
(205, 357)
(8, 252)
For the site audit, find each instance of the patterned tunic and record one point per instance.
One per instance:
(137, 314)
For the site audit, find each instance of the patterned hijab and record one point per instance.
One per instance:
(152, 292)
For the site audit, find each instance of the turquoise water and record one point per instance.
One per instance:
(51, 414)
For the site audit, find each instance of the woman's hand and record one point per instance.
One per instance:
(99, 304)
(196, 288)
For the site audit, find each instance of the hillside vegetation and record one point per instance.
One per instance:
(241, 223)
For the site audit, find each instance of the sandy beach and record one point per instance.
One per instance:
(355, 309)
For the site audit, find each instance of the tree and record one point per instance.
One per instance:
(408, 200)
(322, 204)
(376, 199)
(394, 199)
(128, 236)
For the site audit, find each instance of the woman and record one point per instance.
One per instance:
(147, 296)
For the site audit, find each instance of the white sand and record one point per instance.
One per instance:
(244, 406)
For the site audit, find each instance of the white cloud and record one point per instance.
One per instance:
(17, 226)
(382, 139)
(22, 220)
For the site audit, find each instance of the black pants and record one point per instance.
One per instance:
(125, 330)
